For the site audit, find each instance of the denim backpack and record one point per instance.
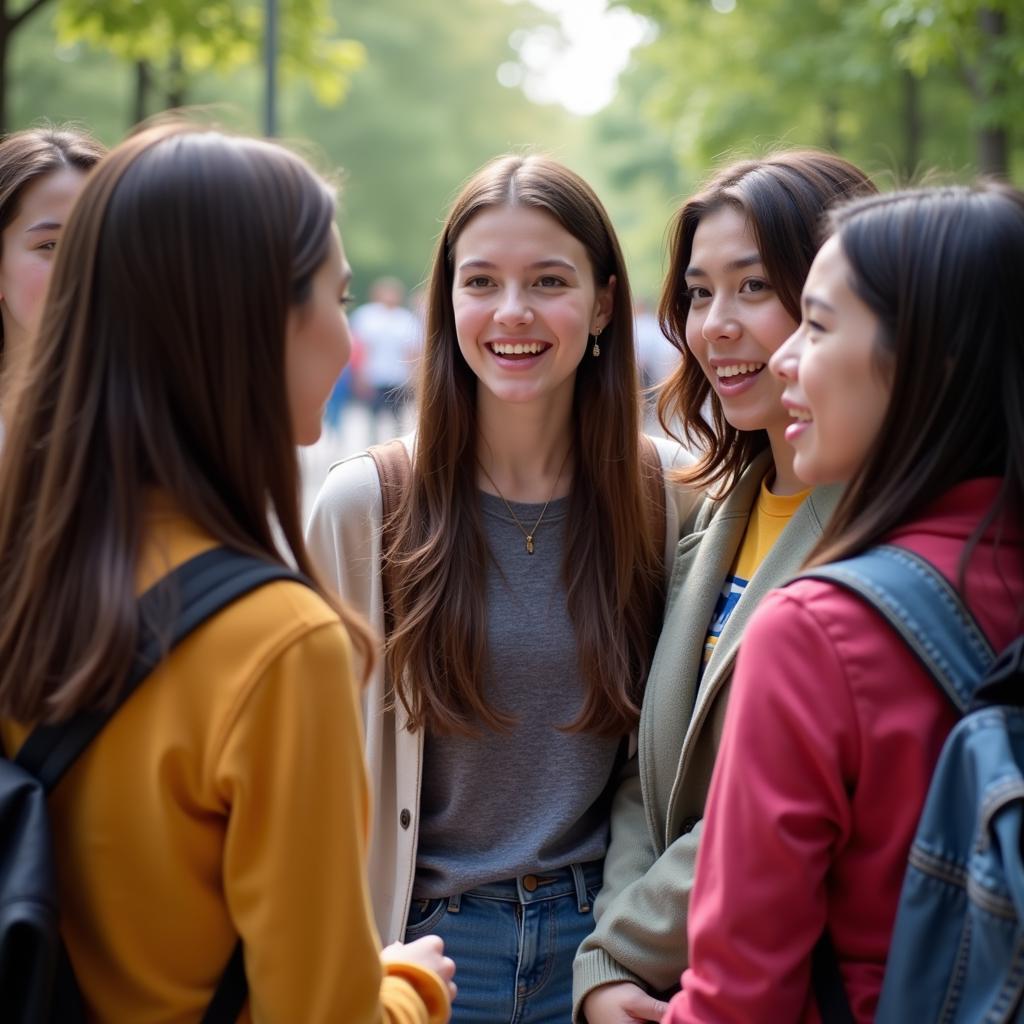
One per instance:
(957, 949)
(37, 984)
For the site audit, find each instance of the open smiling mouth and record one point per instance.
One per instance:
(518, 351)
(738, 372)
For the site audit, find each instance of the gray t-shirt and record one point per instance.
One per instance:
(535, 798)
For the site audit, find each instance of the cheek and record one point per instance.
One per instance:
(776, 327)
(695, 336)
(24, 285)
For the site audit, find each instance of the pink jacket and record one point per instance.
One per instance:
(830, 741)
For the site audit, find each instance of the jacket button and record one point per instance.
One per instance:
(405, 817)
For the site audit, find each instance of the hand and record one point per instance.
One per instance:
(621, 1003)
(427, 952)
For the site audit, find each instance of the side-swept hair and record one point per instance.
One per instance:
(159, 366)
(943, 270)
(437, 652)
(783, 197)
(31, 154)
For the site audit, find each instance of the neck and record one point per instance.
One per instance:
(785, 480)
(526, 451)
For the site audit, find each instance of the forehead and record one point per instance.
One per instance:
(50, 197)
(512, 234)
(721, 236)
(829, 273)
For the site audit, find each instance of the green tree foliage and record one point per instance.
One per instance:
(874, 81)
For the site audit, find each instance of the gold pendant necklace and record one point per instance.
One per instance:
(515, 519)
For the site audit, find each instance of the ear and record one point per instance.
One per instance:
(604, 305)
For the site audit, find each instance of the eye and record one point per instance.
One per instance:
(755, 285)
(813, 325)
(48, 246)
(550, 281)
(346, 300)
(476, 282)
(697, 292)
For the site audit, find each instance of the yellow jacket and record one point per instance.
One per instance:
(228, 798)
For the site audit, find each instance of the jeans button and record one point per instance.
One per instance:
(405, 817)
(530, 883)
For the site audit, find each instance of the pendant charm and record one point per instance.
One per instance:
(529, 544)
(596, 351)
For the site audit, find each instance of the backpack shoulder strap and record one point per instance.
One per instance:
(654, 488)
(394, 467)
(924, 609)
(199, 588)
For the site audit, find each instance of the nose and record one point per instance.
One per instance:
(719, 320)
(513, 307)
(785, 360)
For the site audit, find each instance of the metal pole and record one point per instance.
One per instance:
(270, 58)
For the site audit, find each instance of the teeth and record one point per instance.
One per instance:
(530, 348)
(800, 414)
(738, 368)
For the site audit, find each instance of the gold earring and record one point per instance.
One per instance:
(596, 350)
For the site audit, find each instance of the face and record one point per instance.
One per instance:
(317, 345)
(29, 243)
(525, 302)
(736, 321)
(836, 390)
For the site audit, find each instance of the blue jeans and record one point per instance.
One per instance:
(513, 943)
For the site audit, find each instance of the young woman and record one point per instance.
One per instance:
(906, 384)
(740, 251)
(193, 320)
(42, 170)
(525, 584)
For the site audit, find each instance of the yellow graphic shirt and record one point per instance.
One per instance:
(771, 514)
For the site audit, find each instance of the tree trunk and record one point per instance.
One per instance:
(994, 137)
(176, 94)
(912, 125)
(143, 81)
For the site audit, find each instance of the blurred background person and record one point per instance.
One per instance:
(389, 335)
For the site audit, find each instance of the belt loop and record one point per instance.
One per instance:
(454, 902)
(582, 903)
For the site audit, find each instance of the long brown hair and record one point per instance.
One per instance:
(437, 651)
(943, 270)
(31, 154)
(159, 364)
(783, 197)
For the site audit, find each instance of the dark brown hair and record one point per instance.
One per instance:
(437, 651)
(29, 155)
(159, 365)
(783, 197)
(943, 270)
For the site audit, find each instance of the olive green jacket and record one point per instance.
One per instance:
(656, 818)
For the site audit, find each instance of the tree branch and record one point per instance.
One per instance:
(26, 12)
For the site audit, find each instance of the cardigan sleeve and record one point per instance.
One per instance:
(291, 773)
(777, 810)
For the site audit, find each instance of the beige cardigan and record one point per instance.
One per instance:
(656, 818)
(344, 538)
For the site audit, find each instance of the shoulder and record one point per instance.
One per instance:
(670, 452)
(351, 491)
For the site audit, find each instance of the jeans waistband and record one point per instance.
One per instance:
(574, 879)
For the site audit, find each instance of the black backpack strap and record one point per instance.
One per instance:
(827, 981)
(199, 588)
(232, 991)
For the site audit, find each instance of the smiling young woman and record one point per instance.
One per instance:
(526, 587)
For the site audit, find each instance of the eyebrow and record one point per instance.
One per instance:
(45, 225)
(539, 265)
(753, 260)
(811, 301)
